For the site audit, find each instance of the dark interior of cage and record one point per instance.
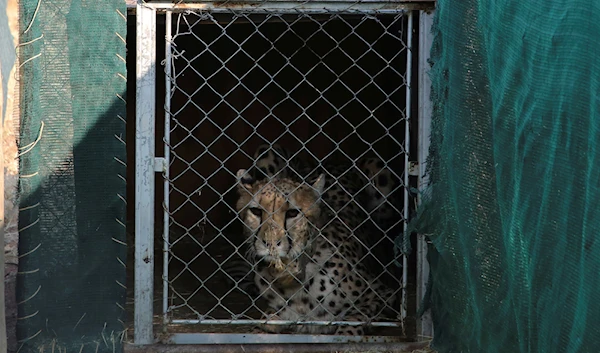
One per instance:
(330, 89)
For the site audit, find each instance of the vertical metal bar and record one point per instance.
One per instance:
(407, 155)
(424, 323)
(144, 172)
(3, 336)
(167, 152)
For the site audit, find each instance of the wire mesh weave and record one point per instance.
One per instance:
(328, 87)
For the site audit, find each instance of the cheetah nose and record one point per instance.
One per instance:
(279, 246)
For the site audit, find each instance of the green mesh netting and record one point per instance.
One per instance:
(515, 169)
(71, 279)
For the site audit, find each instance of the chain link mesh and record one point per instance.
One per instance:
(331, 89)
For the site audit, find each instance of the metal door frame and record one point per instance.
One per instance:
(147, 165)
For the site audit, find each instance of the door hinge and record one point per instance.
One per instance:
(160, 164)
(413, 168)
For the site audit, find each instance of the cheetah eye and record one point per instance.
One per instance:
(291, 213)
(256, 211)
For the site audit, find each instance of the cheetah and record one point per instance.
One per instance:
(365, 192)
(378, 182)
(381, 200)
(308, 264)
(378, 197)
(375, 184)
(270, 161)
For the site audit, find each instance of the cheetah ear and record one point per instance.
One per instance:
(245, 180)
(319, 184)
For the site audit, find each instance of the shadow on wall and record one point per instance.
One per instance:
(70, 286)
(73, 233)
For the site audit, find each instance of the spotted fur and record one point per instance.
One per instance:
(273, 161)
(308, 263)
(379, 197)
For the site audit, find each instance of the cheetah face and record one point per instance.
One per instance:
(381, 182)
(281, 216)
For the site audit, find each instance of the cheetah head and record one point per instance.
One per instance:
(381, 183)
(281, 215)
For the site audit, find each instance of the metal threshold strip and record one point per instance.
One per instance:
(283, 322)
(264, 338)
(277, 347)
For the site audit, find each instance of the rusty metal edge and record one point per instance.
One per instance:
(423, 5)
(277, 348)
(133, 2)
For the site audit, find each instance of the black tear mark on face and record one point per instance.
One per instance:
(292, 213)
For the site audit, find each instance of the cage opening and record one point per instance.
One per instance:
(331, 90)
